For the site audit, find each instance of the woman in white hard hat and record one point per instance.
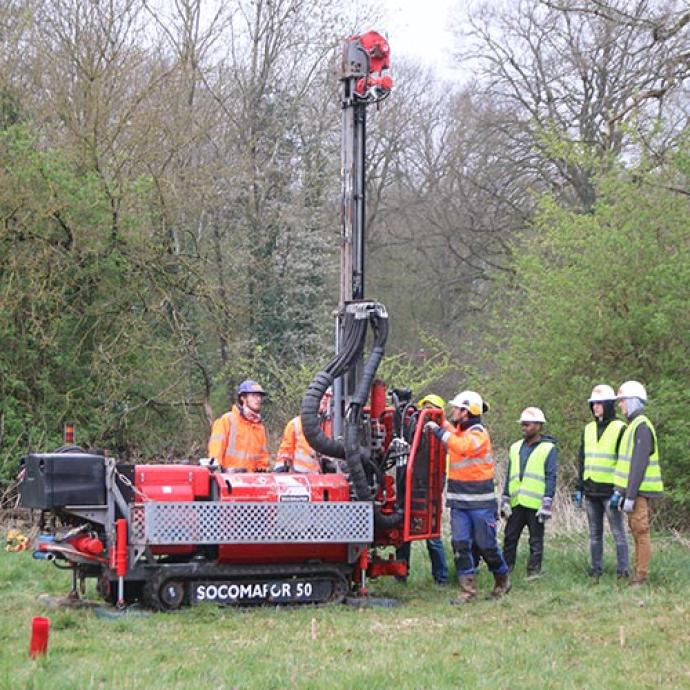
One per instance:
(597, 463)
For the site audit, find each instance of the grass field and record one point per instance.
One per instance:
(562, 631)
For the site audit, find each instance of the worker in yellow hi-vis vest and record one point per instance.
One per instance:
(597, 463)
(529, 490)
(637, 478)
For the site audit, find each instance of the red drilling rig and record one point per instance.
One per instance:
(177, 534)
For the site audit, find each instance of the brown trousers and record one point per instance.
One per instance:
(638, 521)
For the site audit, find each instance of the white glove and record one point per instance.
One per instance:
(544, 513)
(629, 505)
(506, 510)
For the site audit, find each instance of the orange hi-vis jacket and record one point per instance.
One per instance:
(296, 452)
(470, 469)
(238, 443)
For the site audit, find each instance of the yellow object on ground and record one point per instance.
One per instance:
(16, 541)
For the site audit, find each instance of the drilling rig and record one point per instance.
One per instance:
(170, 535)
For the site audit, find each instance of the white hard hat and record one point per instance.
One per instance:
(532, 414)
(632, 389)
(470, 401)
(601, 393)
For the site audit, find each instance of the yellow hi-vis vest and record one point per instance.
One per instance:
(600, 453)
(529, 490)
(651, 483)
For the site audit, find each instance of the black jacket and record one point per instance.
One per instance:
(589, 487)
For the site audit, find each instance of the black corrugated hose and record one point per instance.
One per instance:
(354, 336)
(354, 331)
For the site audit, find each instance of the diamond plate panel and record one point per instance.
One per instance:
(202, 522)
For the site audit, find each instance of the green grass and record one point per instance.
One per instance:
(561, 631)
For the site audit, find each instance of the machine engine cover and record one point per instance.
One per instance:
(172, 482)
(55, 480)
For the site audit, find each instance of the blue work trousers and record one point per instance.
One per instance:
(476, 527)
(439, 566)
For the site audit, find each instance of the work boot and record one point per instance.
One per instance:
(502, 585)
(637, 581)
(594, 574)
(468, 590)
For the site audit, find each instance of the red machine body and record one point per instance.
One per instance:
(281, 488)
(172, 482)
(273, 488)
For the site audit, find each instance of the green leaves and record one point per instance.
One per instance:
(84, 310)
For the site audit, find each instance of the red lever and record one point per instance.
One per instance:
(121, 547)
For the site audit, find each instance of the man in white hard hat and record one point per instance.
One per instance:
(471, 496)
(597, 463)
(637, 477)
(529, 490)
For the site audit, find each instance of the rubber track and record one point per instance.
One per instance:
(193, 571)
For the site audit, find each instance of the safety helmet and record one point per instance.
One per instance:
(249, 386)
(632, 389)
(470, 401)
(432, 399)
(601, 393)
(532, 414)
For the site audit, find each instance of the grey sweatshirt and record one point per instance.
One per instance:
(643, 447)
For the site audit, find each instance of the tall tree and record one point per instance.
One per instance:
(568, 74)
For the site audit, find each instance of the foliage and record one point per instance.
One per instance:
(83, 314)
(592, 636)
(601, 297)
(167, 212)
(169, 216)
(431, 370)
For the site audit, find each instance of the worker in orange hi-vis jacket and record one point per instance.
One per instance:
(295, 454)
(238, 438)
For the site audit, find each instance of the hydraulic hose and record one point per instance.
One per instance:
(311, 425)
(353, 450)
(354, 336)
